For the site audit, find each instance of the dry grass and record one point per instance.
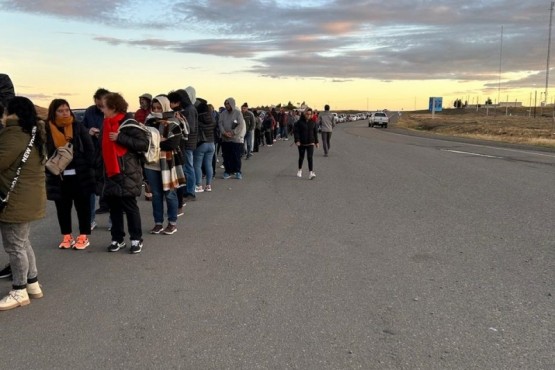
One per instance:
(516, 127)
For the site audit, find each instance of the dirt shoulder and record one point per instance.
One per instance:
(514, 127)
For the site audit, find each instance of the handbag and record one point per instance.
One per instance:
(61, 158)
(4, 198)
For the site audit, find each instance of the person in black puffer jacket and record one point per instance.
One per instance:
(204, 153)
(123, 171)
(306, 139)
(76, 184)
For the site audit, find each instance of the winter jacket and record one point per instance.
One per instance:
(306, 132)
(27, 201)
(232, 122)
(326, 121)
(129, 182)
(188, 110)
(250, 120)
(206, 123)
(83, 163)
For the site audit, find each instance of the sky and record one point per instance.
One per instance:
(360, 55)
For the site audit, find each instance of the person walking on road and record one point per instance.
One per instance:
(327, 123)
(306, 139)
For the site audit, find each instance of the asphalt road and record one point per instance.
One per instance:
(404, 253)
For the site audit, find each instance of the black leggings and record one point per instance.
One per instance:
(309, 149)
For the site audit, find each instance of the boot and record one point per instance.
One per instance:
(34, 290)
(15, 298)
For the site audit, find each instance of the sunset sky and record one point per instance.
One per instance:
(349, 54)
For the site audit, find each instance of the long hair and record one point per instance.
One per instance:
(26, 113)
(54, 105)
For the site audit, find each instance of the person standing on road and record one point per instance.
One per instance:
(77, 182)
(327, 123)
(123, 172)
(145, 102)
(232, 128)
(250, 122)
(306, 139)
(27, 201)
(93, 120)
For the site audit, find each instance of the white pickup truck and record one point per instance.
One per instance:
(378, 119)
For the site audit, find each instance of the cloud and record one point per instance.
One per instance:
(335, 39)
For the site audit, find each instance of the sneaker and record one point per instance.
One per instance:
(312, 175)
(15, 298)
(115, 246)
(34, 290)
(179, 212)
(226, 176)
(222, 166)
(286, 139)
(82, 242)
(300, 173)
(170, 229)
(199, 189)
(67, 242)
(136, 246)
(6, 272)
(157, 229)
(190, 197)
(238, 176)
(208, 188)
(93, 225)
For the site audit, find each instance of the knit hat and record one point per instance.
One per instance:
(146, 96)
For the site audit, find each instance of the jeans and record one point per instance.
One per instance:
(326, 137)
(119, 205)
(202, 158)
(189, 170)
(22, 258)
(154, 178)
(309, 149)
(283, 132)
(248, 142)
(93, 207)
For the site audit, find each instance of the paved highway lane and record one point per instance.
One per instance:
(405, 252)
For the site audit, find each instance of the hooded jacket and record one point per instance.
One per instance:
(188, 98)
(232, 122)
(28, 200)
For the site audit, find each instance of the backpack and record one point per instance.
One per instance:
(152, 155)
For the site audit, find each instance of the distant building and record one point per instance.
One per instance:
(510, 104)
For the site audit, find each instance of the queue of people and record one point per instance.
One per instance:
(108, 162)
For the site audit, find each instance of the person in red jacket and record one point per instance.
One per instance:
(145, 101)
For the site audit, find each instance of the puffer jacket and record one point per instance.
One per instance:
(83, 163)
(188, 98)
(206, 123)
(28, 200)
(306, 132)
(129, 182)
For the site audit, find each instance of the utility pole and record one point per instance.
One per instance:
(500, 64)
(549, 49)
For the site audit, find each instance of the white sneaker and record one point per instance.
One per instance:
(300, 173)
(312, 175)
(34, 291)
(199, 189)
(15, 298)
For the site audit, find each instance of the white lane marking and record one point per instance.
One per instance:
(470, 153)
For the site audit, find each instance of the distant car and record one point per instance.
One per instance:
(79, 114)
(378, 119)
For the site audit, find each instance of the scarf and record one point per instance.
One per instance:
(111, 150)
(59, 138)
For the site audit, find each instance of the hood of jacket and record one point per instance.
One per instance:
(231, 102)
(191, 94)
(164, 102)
